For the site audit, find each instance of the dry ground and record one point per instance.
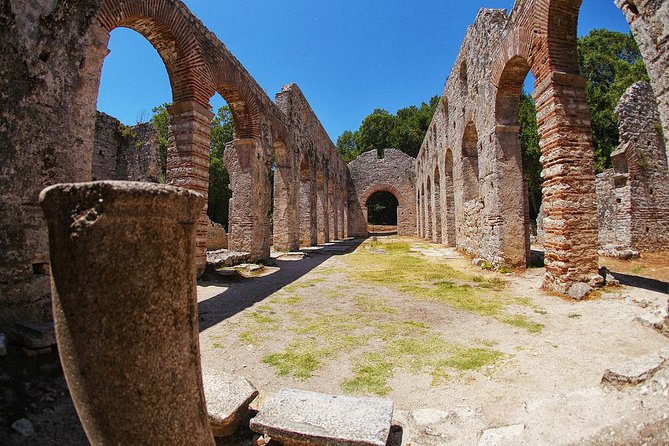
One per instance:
(458, 349)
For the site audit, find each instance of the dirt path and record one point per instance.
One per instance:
(459, 350)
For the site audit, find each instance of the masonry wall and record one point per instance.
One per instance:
(649, 23)
(394, 173)
(123, 152)
(52, 56)
(633, 196)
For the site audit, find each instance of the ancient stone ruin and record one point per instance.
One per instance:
(465, 190)
(470, 188)
(370, 173)
(633, 196)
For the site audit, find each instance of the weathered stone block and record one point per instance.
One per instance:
(228, 398)
(34, 335)
(302, 418)
(635, 371)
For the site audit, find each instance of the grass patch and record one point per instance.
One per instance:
(370, 304)
(249, 337)
(218, 345)
(434, 280)
(371, 376)
(293, 287)
(262, 316)
(638, 269)
(301, 360)
(290, 300)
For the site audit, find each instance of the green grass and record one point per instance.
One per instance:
(262, 316)
(290, 300)
(368, 304)
(300, 359)
(301, 284)
(437, 281)
(638, 269)
(249, 337)
(422, 354)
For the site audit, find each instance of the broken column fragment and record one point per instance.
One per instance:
(125, 309)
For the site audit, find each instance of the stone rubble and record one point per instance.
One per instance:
(228, 398)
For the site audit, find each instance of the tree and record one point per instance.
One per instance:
(531, 152)
(380, 129)
(161, 122)
(611, 62)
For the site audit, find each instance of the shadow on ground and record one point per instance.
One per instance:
(240, 294)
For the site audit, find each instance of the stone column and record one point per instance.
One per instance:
(509, 213)
(419, 211)
(188, 161)
(436, 225)
(286, 222)
(569, 181)
(323, 209)
(308, 225)
(248, 221)
(125, 310)
(334, 211)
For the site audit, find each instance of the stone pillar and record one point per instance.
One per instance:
(569, 181)
(248, 221)
(286, 222)
(334, 211)
(419, 213)
(323, 209)
(448, 203)
(509, 213)
(308, 224)
(436, 203)
(125, 310)
(188, 161)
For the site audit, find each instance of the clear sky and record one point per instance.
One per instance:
(348, 56)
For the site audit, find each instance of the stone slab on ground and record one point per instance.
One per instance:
(505, 435)
(302, 418)
(225, 257)
(228, 398)
(637, 370)
(291, 256)
(33, 334)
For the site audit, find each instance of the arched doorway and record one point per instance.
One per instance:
(382, 213)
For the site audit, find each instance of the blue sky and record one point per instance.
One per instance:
(347, 56)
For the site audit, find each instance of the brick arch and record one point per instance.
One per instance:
(402, 199)
(165, 24)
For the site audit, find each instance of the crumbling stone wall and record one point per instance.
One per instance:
(649, 23)
(123, 152)
(473, 141)
(49, 78)
(369, 173)
(633, 196)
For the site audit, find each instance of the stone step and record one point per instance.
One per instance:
(303, 418)
(228, 398)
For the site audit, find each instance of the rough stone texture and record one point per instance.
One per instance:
(216, 237)
(225, 257)
(50, 70)
(368, 174)
(469, 173)
(499, 436)
(24, 427)
(579, 290)
(228, 398)
(649, 23)
(635, 371)
(125, 312)
(302, 418)
(633, 196)
(123, 152)
(33, 334)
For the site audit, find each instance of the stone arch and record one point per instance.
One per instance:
(364, 199)
(470, 159)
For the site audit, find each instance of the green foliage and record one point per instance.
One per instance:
(611, 62)
(380, 130)
(161, 122)
(531, 152)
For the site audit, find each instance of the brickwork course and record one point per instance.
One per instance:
(50, 72)
(470, 191)
(369, 173)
